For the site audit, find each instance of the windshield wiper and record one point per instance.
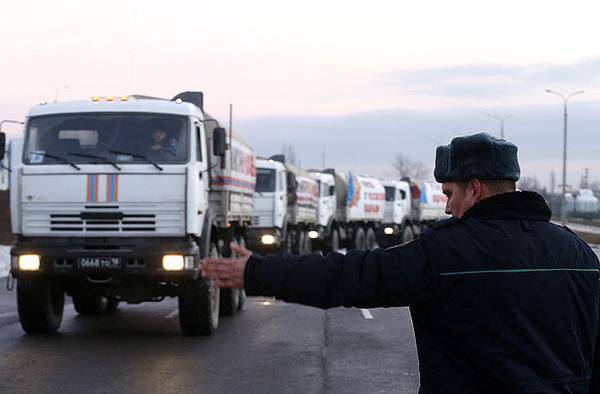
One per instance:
(59, 158)
(118, 152)
(104, 159)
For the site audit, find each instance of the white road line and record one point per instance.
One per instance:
(367, 314)
(172, 314)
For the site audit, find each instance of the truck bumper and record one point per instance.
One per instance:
(137, 257)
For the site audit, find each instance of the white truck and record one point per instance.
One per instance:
(118, 199)
(350, 213)
(409, 208)
(285, 207)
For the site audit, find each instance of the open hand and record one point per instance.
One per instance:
(227, 272)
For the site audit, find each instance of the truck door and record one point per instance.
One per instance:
(402, 201)
(199, 182)
(280, 198)
(326, 202)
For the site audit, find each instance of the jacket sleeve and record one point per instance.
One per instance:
(398, 276)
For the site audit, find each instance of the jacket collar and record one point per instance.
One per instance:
(514, 205)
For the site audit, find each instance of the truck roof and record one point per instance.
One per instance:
(132, 104)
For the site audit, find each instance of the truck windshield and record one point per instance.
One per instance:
(390, 193)
(99, 138)
(265, 180)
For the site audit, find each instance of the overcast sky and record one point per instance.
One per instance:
(362, 80)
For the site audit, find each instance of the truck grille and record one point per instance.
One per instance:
(107, 222)
(131, 219)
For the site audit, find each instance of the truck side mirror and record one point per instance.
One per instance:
(219, 141)
(2, 145)
(332, 190)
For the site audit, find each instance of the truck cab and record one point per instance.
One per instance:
(285, 202)
(270, 204)
(397, 221)
(113, 199)
(326, 211)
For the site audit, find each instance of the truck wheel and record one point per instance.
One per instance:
(89, 304)
(40, 302)
(306, 244)
(301, 242)
(359, 239)
(289, 242)
(199, 305)
(334, 241)
(371, 239)
(408, 234)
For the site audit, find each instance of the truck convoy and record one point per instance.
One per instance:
(285, 207)
(118, 199)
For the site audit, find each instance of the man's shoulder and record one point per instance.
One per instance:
(444, 223)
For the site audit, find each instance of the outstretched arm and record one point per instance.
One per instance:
(380, 278)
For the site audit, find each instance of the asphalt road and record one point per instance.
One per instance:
(269, 347)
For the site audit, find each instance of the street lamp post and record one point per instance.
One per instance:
(501, 119)
(563, 208)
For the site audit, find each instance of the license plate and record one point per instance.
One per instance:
(99, 262)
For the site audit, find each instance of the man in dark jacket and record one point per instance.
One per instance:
(502, 301)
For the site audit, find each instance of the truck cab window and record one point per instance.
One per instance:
(265, 180)
(198, 143)
(390, 193)
(162, 138)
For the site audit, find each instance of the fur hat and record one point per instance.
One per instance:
(478, 156)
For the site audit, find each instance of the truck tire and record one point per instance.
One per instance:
(334, 241)
(408, 234)
(89, 304)
(41, 303)
(359, 239)
(199, 305)
(288, 245)
(306, 246)
(370, 239)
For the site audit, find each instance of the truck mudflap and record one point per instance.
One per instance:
(106, 257)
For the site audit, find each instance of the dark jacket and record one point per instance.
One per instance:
(502, 300)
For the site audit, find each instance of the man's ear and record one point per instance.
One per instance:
(475, 190)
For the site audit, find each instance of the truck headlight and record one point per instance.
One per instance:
(29, 262)
(313, 234)
(172, 262)
(388, 230)
(267, 239)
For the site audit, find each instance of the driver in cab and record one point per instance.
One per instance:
(162, 145)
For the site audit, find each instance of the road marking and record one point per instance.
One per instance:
(172, 314)
(367, 314)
